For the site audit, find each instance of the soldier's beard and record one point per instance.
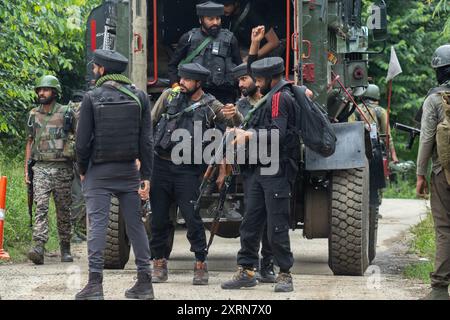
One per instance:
(443, 74)
(191, 92)
(45, 101)
(250, 91)
(212, 31)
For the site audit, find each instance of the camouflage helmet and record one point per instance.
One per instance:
(441, 57)
(48, 82)
(372, 92)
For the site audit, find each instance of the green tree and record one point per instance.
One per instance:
(415, 32)
(36, 38)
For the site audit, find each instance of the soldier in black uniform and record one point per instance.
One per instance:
(268, 196)
(220, 54)
(182, 108)
(114, 130)
(250, 96)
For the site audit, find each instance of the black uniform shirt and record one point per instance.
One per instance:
(183, 48)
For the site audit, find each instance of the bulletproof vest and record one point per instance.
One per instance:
(244, 106)
(49, 134)
(175, 118)
(216, 57)
(117, 118)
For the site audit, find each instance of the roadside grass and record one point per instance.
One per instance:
(404, 189)
(17, 233)
(423, 245)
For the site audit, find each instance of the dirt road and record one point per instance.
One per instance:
(312, 277)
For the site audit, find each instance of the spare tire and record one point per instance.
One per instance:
(117, 250)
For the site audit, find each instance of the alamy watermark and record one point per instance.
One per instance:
(375, 19)
(213, 146)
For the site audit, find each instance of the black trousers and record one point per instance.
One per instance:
(266, 250)
(268, 202)
(179, 184)
(122, 180)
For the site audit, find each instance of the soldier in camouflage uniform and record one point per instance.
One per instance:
(78, 208)
(49, 126)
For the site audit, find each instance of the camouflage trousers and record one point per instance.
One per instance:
(57, 181)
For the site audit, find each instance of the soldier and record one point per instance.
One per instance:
(268, 196)
(114, 130)
(371, 98)
(433, 114)
(180, 182)
(78, 209)
(240, 18)
(49, 126)
(214, 48)
(251, 96)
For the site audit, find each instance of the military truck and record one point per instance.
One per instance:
(335, 198)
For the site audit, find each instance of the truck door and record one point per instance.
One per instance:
(138, 43)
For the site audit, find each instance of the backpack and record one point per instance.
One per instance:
(312, 123)
(443, 136)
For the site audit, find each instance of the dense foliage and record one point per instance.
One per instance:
(37, 37)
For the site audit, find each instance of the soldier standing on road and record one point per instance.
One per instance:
(180, 183)
(372, 99)
(251, 96)
(114, 130)
(433, 114)
(268, 196)
(214, 48)
(49, 126)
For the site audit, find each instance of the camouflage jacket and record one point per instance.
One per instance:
(51, 140)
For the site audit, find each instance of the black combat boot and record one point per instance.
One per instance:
(243, 278)
(201, 275)
(266, 273)
(142, 289)
(284, 282)
(66, 256)
(160, 272)
(36, 254)
(94, 288)
(437, 293)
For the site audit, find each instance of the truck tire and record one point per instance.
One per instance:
(373, 231)
(117, 251)
(349, 222)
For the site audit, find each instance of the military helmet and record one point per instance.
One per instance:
(441, 57)
(48, 82)
(372, 92)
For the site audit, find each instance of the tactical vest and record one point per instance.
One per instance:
(169, 121)
(117, 120)
(49, 134)
(216, 57)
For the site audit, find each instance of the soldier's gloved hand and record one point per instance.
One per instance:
(144, 190)
(229, 111)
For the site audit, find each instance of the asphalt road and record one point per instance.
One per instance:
(312, 277)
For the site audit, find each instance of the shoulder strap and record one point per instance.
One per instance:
(191, 108)
(125, 91)
(241, 18)
(196, 52)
